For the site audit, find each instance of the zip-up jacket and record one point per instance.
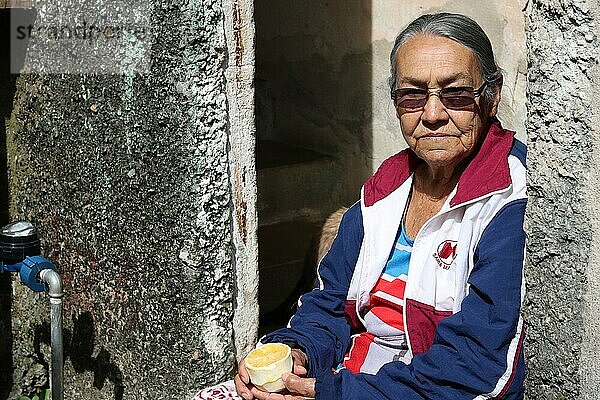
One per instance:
(463, 296)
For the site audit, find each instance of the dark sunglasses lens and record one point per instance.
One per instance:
(412, 103)
(411, 99)
(457, 99)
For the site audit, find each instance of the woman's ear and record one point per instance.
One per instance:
(493, 109)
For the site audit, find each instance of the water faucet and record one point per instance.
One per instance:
(20, 252)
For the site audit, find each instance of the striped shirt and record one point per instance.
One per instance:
(384, 340)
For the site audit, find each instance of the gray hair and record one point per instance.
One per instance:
(462, 30)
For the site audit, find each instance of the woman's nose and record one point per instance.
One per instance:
(434, 110)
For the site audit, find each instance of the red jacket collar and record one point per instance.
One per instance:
(487, 172)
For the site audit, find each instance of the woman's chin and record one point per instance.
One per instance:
(441, 158)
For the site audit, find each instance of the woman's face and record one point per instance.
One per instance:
(439, 135)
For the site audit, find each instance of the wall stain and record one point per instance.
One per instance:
(241, 206)
(237, 34)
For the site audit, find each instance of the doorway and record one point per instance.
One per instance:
(313, 123)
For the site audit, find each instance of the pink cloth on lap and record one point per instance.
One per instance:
(225, 390)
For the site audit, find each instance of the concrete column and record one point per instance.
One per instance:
(141, 183)
(562, 217)
(590, 360)
(239, 31)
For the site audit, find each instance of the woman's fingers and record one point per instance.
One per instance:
(276, 396)
(300, 362)
(296, 384)
(260, 395)
(242, 388)
(299, 387)
(242, 382)
(299, 370)
(243, 372)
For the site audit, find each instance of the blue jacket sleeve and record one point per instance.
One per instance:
(319, 326)
(476, 353)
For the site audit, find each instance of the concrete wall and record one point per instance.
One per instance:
(142, 186)
(313, 82)
(239, 79)
(562, 216)
(590, 362)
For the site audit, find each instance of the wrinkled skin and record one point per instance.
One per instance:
(441, 137)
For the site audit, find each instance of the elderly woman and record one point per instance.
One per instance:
(420, 295)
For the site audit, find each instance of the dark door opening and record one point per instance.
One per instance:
(313, 119)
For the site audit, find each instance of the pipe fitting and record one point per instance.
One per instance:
(52, 279)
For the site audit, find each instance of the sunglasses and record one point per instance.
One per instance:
(455, 98)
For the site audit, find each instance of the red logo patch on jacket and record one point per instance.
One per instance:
(446, 253)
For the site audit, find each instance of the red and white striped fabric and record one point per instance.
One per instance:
(384, 340)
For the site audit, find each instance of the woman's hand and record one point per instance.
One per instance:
(300, 362)
(299, 388)
(244, 387)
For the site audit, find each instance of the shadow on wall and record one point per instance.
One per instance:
(313, 129)
(6, 363)
(79, 348)
(7, 93)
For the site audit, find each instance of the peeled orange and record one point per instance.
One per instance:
(266, 364)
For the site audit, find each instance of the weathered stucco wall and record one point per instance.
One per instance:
(239, 74)
(128, 180)
(590, 362)
(562, 217)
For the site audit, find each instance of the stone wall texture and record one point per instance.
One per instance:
(131, 182)
(590, 362)
(562, 75)
(127, 178)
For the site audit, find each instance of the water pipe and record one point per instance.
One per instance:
(52, 279)
(20, 252)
